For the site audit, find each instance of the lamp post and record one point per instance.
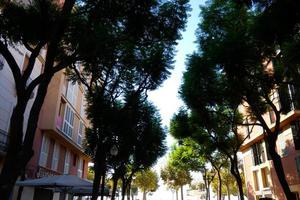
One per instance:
(114, 150)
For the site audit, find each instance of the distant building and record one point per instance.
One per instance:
(260, 175)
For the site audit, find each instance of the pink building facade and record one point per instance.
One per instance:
(260, 175)
(58, 143)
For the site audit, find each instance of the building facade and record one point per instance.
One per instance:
(260, 175)
(8, 94)
(59, 136)
(58, 143)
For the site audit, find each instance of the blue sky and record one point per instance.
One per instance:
(166, 98)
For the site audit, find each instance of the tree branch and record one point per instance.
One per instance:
(12, 65)
(34, 53)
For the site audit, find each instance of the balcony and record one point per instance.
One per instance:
(3, 141)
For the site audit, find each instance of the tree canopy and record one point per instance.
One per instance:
(238, 64)
(123, 46)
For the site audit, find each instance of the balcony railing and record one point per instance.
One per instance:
(3, 141)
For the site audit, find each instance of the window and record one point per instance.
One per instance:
(258, 152)
(55, 157)
(296, 195)
(82, 106)
(25, 63)
(271, 115)
(289, 97)
(72, 92)
(74, 160)
(80, 133)
(255, 180)
(68, 121)
(295, 131)
(265, 177)
(60, 117)
(283, 149)
(294, 94)
(79, 169)
(248, 131)
(67, 162)
(44, 151)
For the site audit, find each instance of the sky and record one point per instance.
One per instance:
(166, 98)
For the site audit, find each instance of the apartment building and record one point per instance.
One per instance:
(58, 142)
(260, 175)
(59, 136)
(8, 93)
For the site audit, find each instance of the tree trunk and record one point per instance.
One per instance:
(220, 185)
(128, 190)
(236, 173)
(103, 184)
(279, 168)
(176, 194)
(228, 191)
(99, 170)
(144, 195)
(114, 189)
(18, 151)
(123, 188)
(181, 188)
(10, 170)
(208, 192)
(96, 182)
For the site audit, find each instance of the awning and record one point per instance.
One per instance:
(63, 183)
(56, 181)
(84, 191)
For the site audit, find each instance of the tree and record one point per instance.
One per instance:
(232, 51)
(91, 174)
(93, 33)
(206, 153)
(147, 181)
(137, 134)
(138, 52)
(209, 126)
(35, 25)
(175, 178)
(229, 186)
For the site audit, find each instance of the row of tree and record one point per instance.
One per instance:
(126, 48)
(248, 52)
(190, 156)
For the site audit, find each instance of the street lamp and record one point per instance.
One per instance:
(114, 150)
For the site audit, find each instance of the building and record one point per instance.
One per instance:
(8, 93)
(260, 175)
(59, 136)
(60, 131)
